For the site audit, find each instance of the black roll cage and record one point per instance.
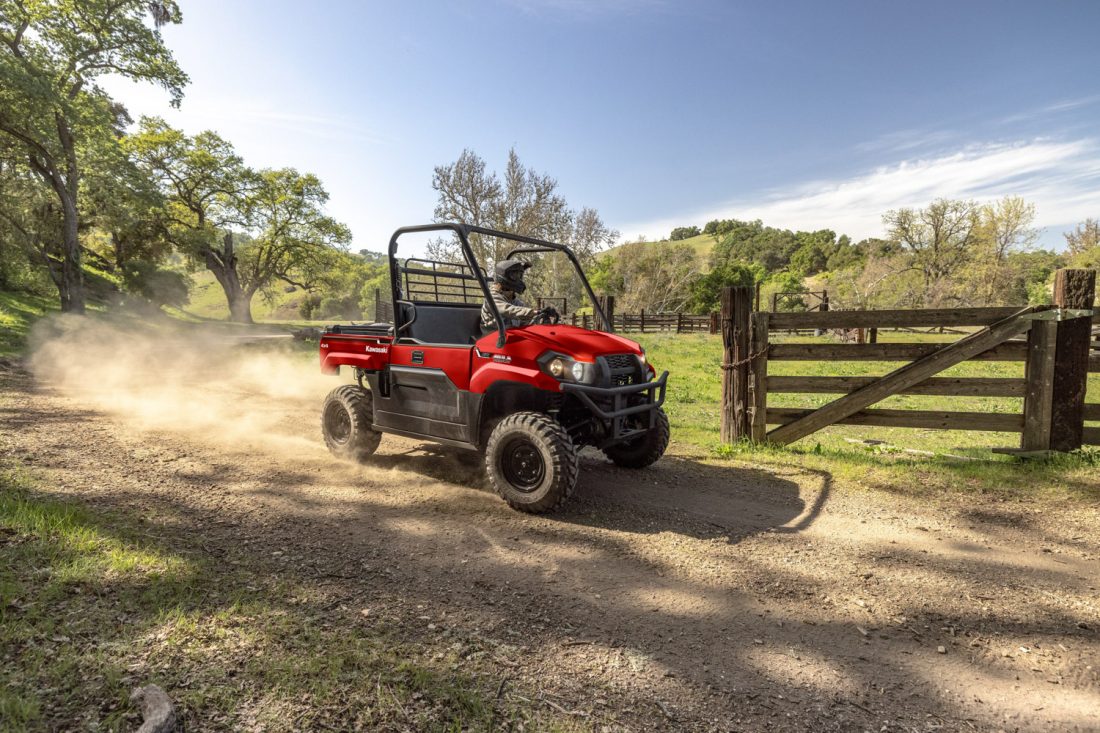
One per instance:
(463, 231)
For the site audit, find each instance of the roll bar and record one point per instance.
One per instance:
(464, 231)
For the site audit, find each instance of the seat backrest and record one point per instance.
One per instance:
(452, 323)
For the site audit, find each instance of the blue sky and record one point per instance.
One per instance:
(804, 114)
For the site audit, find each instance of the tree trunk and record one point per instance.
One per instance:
(71, 287)
(70, 284)
(240, 308)
(224, 266)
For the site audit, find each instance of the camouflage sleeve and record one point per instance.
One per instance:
(512, 311)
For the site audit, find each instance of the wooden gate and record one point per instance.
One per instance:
(1056, 353)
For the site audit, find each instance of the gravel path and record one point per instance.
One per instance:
(697, 595)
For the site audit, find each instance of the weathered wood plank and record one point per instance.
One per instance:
(1009, 351)
(1092, 411)
(1094, 363)
(758, 376)
(736, 310)
(891, 318)
(1041, 343)
(927, 419)
(1090, 436)
(953, 386)
(1072, 289)
(903, 377)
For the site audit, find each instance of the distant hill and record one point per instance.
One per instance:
(702, 244)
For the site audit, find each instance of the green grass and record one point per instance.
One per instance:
(693, 405)
(208, 302)
(18, 312)
(91, 606)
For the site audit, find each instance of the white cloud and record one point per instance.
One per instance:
(1062, 179)
(238, 113)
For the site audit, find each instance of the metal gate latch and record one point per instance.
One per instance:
(1059, 314)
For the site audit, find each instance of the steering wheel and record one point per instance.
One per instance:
(547, 316)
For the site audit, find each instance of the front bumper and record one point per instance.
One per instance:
(613, 404)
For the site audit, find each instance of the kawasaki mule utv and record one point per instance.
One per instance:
(528, 397)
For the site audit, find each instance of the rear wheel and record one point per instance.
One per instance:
(643, 451)
(346, 420)
(531, 462)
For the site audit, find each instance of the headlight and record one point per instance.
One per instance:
(565, 369)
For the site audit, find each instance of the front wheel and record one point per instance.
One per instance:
(531, 462)
(346, 420)
(643, 451)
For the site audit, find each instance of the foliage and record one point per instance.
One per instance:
(684, 233)
(706, 290)
(524, 202)
(657, 278)
(51, 108)
(155, 285)
(1084, 238)
(249, 228)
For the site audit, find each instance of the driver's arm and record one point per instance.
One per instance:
(513, 311)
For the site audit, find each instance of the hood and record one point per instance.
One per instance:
(573, 341)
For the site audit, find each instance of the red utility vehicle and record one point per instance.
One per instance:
(528, 397)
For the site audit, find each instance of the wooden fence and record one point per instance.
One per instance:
(643, 322)
(1054, 342)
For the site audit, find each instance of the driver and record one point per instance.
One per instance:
(505, 290)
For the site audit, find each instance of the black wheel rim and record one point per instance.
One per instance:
(338, 423)
(522, 465)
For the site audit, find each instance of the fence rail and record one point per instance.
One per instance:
(652, 322)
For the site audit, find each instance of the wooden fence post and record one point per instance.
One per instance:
(1072, 289)
(825, 300)
(679, 322)
(736, 312)
(1039, 389)
(714, 321)
(641, 320)
(584, 321)
(758, 376)
(607, 305)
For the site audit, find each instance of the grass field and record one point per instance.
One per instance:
(208, 301)
(18, 312)
(702, 245)
(91, 605)
(694, 363)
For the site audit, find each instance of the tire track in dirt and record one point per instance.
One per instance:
(738, 598)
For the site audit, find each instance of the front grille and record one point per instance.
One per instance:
(618, 362)
(622, 368)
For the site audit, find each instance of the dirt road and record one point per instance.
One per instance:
(698, 595)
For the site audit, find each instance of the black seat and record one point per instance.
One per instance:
(449, 323)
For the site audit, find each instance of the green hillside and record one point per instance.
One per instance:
(702, 245)
(208, 301)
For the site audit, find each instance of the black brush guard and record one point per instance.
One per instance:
(619, 397)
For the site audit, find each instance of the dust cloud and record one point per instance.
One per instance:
(212, 383)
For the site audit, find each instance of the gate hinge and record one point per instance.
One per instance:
(1059, 314)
